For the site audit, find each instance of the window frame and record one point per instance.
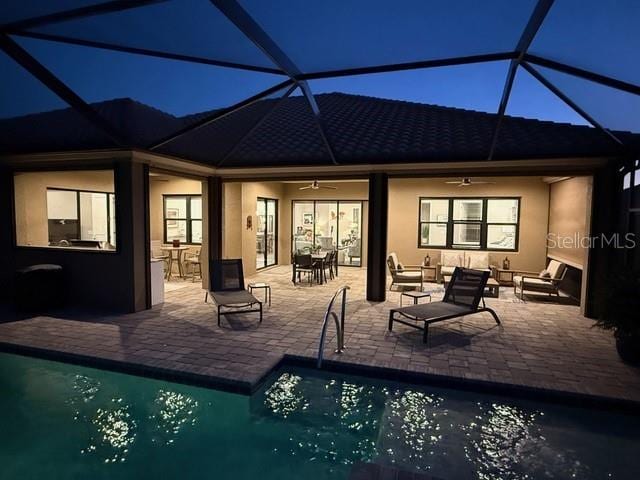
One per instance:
(108, 196)
(484, 224)
(188, 219)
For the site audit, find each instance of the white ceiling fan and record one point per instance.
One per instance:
(315, 185)
(466, 182)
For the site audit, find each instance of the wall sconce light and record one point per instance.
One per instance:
(249, 222)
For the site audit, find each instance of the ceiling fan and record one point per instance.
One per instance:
(466, 182)
(315, 185)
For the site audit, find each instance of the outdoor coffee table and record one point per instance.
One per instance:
(265, 286)
(416, 295)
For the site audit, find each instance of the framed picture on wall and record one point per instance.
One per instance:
(307, 218)
(172, 213)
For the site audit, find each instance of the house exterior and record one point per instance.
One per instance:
(391, 147)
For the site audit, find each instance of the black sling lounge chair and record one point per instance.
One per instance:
(462, 297)
(228, 290)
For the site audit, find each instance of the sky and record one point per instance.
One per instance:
(335, 41)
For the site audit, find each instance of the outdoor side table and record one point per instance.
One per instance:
(265, 286)
(416, 295)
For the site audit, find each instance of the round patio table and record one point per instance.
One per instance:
(178, 257)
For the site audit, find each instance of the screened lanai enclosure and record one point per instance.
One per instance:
(192, 63)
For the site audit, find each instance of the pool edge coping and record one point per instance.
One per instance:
(247, 388)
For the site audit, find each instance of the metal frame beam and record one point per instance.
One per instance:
(247, 25)
(218, 114)
(556, 91)
(322, 127)
(397, 67)
(533, 25)
(35, 68)
(254, 32)
(257, 124)
(586, 74)
(88, 11)
(146, 52)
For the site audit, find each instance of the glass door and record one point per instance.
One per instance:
(326, 225)
(330, 225)
(350, 228)
(266, 232)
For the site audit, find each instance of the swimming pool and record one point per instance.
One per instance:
(66, 421)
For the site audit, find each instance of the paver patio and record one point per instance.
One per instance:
(540, 344)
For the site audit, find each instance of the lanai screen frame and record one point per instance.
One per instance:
(294, 77)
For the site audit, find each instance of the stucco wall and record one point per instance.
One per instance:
(404, 197)
(31, 198)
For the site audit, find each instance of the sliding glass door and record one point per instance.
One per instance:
(329, 225)
(266, 232)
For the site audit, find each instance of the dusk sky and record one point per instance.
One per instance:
(332, 40)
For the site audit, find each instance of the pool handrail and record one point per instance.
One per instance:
(339, 323)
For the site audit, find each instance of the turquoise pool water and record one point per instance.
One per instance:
(66, 421)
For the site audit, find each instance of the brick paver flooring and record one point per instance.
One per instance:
(540, 344)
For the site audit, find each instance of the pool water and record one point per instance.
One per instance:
(66, 421)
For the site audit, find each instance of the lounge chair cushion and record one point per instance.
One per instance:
(555, 269)
(233, 297)
(394, 260)
(451, 259)
(477, 260)
(545, 274)
(447, 270)
(409, 276)
(534, 283)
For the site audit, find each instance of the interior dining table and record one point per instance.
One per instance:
(170, 249)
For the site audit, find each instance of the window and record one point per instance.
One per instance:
(72, 209)
(469, 223)
(183, 218)
(434, 215)
(80, 218)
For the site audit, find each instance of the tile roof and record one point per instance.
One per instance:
(360, 129)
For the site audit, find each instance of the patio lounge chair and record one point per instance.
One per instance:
(228, 289)
(462, 297)
(404, 274)
(547, 281)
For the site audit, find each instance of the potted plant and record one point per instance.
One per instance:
(619, 313)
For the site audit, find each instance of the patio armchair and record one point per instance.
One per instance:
(462, 297)
(228, 289)
(547, 281)
(404, 274)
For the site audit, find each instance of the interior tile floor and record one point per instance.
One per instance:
(541, 343)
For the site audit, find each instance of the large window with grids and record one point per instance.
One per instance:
(480, 223)
(183, 218)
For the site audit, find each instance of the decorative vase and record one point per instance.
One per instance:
(176, 242)
(628, 347)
